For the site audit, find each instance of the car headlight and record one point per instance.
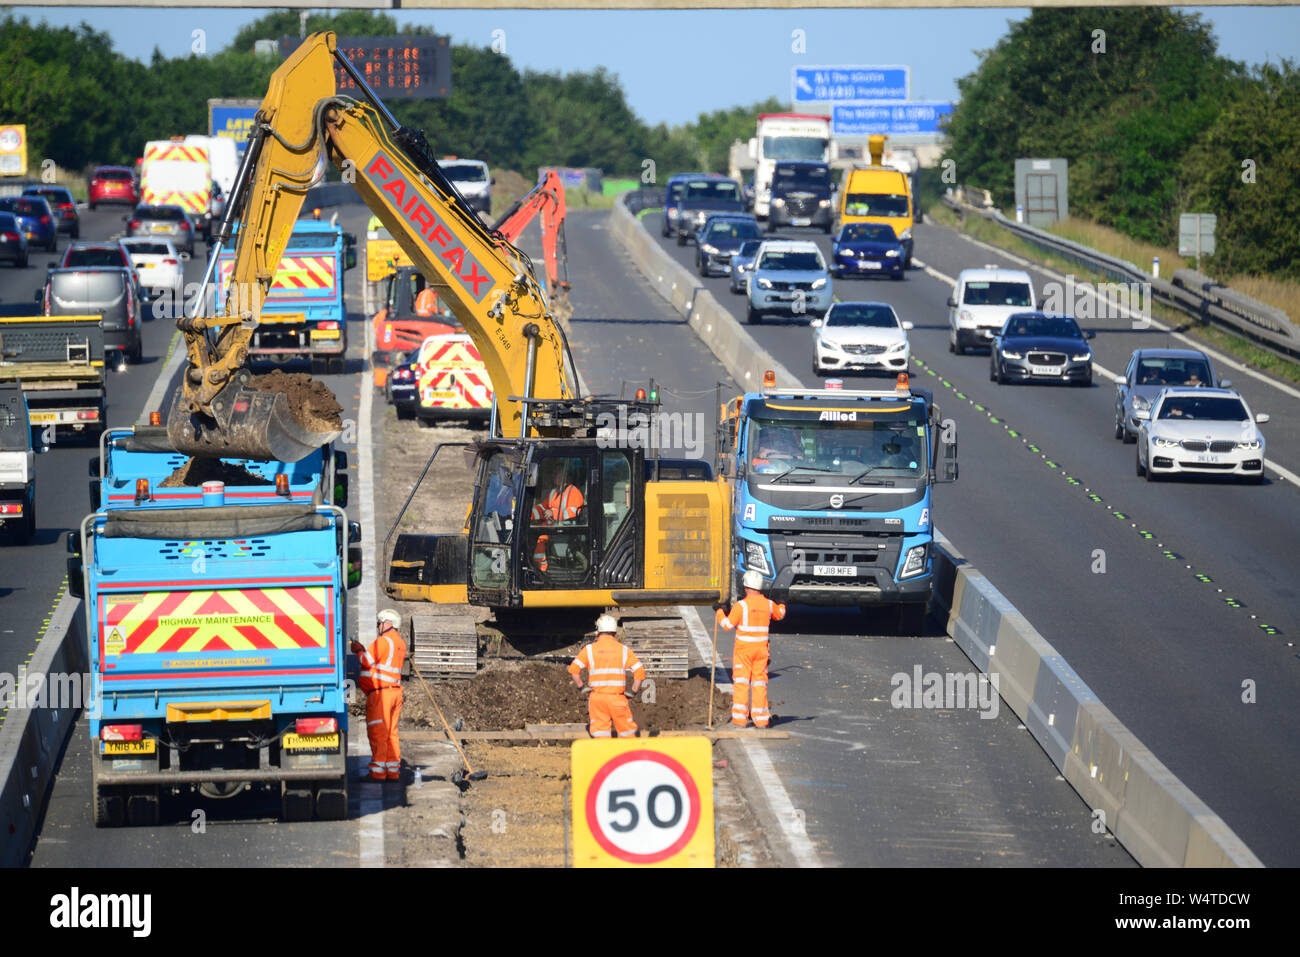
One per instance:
(764, 283)
(965, 316)
(905, 234)
(1083, 357)
(778, 201)
(1008, 354)
(1250, 445)
(830, 345)
(893, 253)
(1161, 442)
(915, 562)
(819, 283)
(755, 558)
(710, 249)
(897, 346)
(1140, 404)
(824, 203)
(672, 213)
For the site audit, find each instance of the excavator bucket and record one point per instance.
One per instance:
(246, 423)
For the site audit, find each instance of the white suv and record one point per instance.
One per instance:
(981, 304)
(472, 179)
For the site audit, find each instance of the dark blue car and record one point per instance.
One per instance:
(867, 249)
(674, 190)
(1041, 347)
(721, 238)
(36, 217)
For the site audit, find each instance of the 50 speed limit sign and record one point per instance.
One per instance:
(639, 802)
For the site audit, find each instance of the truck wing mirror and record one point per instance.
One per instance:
(74, 543)
(354, 533)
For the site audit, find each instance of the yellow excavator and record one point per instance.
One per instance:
(572, 505)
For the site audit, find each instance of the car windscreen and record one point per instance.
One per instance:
(54, 195)
(989, 293)
(172, 214)
(810, 179)
(730, 232)
(1172, 371)
(1047, 326)
(794, 147)
(676, 191)
(790, 260)
(148, 249)
(750, 247)
(868, 232)
(1210, 408)
(875, 204)
(114, 174)
(24, 207)
(465, 173)
(874, 315)
(73, 293)
(9, 222)
(93, 257)
(706, 192)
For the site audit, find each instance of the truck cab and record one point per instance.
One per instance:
(832, 494)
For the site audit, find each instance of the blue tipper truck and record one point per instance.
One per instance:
(831, 498)
(304, 315)
(216, 609)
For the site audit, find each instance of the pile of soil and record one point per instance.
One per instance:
(507, 695)
(507, 189)
(311, 402)
(196, 471)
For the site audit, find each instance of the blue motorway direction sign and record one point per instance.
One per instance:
(824, 84)
(895, 119)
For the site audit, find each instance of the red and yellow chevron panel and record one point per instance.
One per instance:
(228, 619)
(191, 202)
(457, 388)
(294, 273)
(176, 151)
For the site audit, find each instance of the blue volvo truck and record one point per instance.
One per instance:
(216, 614)
(831, 497)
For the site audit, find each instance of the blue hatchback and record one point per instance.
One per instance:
(36, 217)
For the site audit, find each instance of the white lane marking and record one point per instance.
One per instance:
(790, 821)
(1281, 470)
(372, 828)
(704, 644)
(159, 391)
(1152, 323)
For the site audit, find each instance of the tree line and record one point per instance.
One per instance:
(1154, 123)
(85, 104)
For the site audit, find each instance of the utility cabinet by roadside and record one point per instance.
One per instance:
(60, 362)
(216, 616)
(1043, 190)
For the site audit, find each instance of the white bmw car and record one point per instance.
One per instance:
(860, 336)
(158, 265)
(1200, 431)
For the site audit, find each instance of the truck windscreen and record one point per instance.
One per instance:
(794, 147)
(885, 444)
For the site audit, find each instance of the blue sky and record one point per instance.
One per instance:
(676, 64)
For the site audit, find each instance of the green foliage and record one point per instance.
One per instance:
(1153, 124)
(716, 131)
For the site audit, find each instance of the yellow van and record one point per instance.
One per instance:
(879, 194)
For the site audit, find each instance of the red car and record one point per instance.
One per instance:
(113, 184)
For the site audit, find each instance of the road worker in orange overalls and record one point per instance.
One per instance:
(749, 619)
(561, 504)
(607, 661)
(381, 680)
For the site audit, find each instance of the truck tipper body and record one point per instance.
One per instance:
(60, 362)
(832, 494)
(304, 315)
(216, 616)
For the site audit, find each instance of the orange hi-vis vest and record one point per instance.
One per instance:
(381, 663)
(559, 506)
(751, 616)
(607, 661)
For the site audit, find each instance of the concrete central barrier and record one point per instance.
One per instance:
(1149, 810)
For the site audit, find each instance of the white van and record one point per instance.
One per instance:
(982, 302)
(472, 179)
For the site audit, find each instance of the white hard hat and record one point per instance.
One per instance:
(390, 616)
(606, 625)
(752, 579)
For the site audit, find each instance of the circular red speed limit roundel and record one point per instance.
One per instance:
(643, 807)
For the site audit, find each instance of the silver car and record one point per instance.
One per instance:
(1147, 373)
(163, 222)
